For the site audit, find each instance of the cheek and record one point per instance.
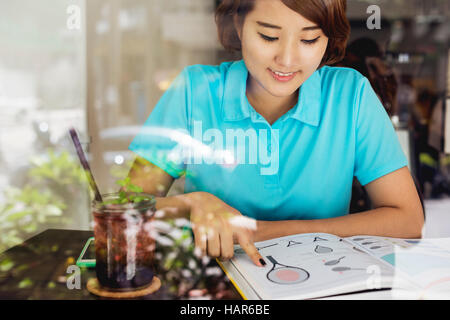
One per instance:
(314, 54)
(257, 50)
(322, 48)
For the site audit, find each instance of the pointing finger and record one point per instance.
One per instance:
(251, 251)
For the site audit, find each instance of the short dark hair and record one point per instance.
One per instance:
(330, 15)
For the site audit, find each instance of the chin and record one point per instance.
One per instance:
(283, 92)
(283, 89)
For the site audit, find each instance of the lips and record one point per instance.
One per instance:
(282, 76)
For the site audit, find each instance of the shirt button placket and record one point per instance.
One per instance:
(272, 181)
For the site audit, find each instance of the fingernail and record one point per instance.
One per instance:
(262, 261)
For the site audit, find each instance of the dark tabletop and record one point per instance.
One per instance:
(37, 269)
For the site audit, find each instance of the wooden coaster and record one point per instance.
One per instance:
(94, 287)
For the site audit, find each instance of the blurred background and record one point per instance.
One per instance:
(101, 65)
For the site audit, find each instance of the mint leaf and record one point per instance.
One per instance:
(134, 188)
(139, 199)
(121, 183)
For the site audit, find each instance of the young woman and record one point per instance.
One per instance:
(310, 127)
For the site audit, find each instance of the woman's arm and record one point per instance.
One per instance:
(397, 213)
(153, 180)
(215, 224)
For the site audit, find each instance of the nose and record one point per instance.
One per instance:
(288, 55)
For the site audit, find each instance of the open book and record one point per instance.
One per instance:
(319, 265)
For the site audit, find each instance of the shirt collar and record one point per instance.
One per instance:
(235, 105)
(308, 107)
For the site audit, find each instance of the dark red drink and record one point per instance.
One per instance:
(124, 243)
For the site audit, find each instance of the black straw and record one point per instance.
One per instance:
(85, 164)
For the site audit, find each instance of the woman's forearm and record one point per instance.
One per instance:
(384, 221)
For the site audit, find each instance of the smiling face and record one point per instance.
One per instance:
(281, 50)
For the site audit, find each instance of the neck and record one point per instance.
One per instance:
(268, 106)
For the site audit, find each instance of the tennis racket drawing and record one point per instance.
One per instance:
(283, 274)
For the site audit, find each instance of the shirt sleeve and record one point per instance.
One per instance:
(378, 150)
(161, 138)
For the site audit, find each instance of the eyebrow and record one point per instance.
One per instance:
(268, 25)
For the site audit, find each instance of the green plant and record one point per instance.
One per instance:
(24, 210)
(55, 187)
(60, 169)
(129, 193)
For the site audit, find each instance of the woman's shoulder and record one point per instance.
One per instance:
(207, 80)
(211, 72)
(341, 76)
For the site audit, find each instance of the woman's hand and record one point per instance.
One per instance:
(217, 226)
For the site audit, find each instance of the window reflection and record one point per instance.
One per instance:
(106, 77)
(42, 83)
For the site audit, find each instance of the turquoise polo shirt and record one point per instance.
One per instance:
(300, 167)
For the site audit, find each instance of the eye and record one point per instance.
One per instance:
(267, 38)
(309, 42)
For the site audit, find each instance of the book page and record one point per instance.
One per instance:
(310, 265)
(425, 262)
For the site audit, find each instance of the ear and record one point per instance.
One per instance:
(237, 25)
